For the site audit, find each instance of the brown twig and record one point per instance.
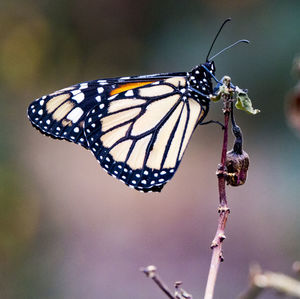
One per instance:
(216, 245)
(151, 272)
(179, 293)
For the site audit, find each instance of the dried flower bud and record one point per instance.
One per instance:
(177, 284)
(237, 167)
(226, 80)
(181, 293)
(150, 271)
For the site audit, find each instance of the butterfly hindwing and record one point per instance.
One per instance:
(139, 135)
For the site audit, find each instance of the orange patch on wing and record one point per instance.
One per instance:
(126, 86)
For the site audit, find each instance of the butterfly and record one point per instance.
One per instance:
(137, 127)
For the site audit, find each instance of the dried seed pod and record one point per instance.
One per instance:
(237, 164)
(293, 108)
(292, 101)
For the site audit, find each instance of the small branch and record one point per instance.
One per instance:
(179, 293)
(216, 245)
(259, 281)
(150, 272)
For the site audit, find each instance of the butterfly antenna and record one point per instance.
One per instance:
(227, 20)
(230, 46)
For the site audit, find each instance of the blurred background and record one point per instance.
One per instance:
(67, 229)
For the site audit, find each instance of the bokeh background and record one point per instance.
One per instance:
(67, 229)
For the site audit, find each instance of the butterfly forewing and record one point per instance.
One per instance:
(139, 135)
(62, 113)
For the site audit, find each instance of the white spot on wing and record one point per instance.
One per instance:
(79, 97)
(114, 96)
(100, 89)
(75, 114)
(129, 93)
(75, 92)
(83, 85)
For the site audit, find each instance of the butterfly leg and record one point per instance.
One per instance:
(212, 122)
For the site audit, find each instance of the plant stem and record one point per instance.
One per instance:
(151, 272)
(163, 286)
(216, 245)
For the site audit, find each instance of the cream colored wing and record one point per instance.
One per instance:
(140, 135)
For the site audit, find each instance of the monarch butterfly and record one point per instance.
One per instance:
(137, 127)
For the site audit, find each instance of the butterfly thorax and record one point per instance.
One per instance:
(200, 82)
